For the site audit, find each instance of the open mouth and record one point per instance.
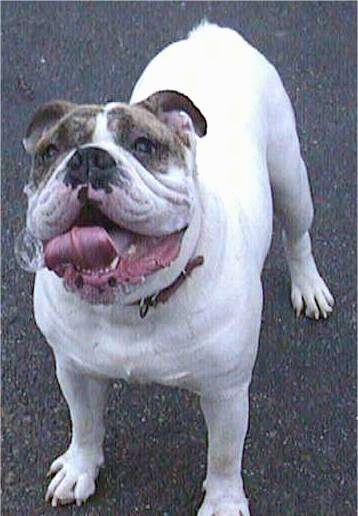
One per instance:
(96, 255)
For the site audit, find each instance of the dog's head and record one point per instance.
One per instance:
(112, 192)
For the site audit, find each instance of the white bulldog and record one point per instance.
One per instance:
(128, 201)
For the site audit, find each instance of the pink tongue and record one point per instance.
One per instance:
(86, 247)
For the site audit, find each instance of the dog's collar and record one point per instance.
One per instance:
(163, 295)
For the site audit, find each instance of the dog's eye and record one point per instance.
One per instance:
(143, 145)
(49, 153)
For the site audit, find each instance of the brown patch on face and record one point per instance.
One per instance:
(73, 130)
(130, 123)
(70, 132)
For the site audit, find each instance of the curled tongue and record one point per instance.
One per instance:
(86, 247)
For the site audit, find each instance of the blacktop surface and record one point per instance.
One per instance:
(300, 450)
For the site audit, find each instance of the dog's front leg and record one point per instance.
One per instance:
(76, 470)
(226, 417)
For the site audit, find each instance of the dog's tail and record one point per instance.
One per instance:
(204, 28)
(206, 33)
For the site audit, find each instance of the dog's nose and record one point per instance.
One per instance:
(91, 165)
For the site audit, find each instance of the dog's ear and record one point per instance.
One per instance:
(43, 119)
(176, 110)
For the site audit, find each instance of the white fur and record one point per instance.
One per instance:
(101, 133)
(205, 337)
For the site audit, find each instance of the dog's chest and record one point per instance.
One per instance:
(156, 348)
(179, 342)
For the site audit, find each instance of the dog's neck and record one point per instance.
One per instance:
(163, 295)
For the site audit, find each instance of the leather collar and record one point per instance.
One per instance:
(163, 295)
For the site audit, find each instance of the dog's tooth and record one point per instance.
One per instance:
(114, 263)
(132, 249)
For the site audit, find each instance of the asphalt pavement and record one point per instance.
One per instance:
(300, 450)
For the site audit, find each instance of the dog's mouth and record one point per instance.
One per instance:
(96, 255)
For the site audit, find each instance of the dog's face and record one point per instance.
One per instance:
(112, 190)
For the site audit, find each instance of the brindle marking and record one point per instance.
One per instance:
(66, 126)
(72, 130)
(127, 123)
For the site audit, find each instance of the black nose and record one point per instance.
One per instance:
(91, 165)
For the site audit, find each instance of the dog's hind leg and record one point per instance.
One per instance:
(76, 470)
(293, 205)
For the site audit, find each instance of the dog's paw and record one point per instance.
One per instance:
(224, 507)
(74, 478)
(309, 293)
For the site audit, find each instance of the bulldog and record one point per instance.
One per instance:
(155, 219)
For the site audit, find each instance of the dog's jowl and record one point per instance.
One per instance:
(155, 219)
